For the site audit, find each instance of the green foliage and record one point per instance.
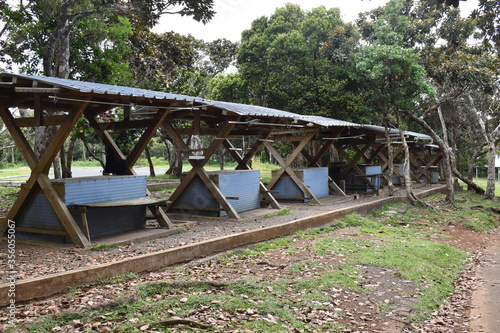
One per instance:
(101, 247)
(287, 65)
(284, 211)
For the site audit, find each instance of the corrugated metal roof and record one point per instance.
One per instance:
(381, 129)
(103, 89)
(260, 111)
(241, 109)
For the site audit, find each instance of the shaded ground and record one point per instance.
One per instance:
(382, 305)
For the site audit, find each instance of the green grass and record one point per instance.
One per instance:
(101, 247)
(15, 171)
(481, 182)
(402, 243)
(284, 211)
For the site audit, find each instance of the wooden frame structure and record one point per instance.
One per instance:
(61, 103)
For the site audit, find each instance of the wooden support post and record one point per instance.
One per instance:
(85, 222)
(313, 162)
(198, 170)
(286, 167)
(244, 166)
(39, 168)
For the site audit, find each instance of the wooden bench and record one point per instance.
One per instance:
(152, 203)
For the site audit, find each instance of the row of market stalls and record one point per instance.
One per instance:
(79, 209)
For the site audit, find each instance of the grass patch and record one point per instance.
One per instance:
(101, 247)
(284, 211)
(432, 265)
(262, 295)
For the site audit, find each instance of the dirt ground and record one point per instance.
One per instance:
(472, 308)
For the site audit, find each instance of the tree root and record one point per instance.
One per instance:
(182, 321)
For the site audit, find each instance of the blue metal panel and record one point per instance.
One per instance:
(102, 189)
(372, 170)
(39, 214)
(316, 179)
(244, 185)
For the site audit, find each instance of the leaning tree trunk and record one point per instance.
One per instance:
(150, 162)
(175, 161)
(490, 184)
(390, 156)
(478, 152)
(446, 161)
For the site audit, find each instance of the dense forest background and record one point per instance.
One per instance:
(416, 65)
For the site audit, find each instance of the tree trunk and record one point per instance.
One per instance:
(175, 164)
(68, 159)
(482, 119)
(222, 155)
(43, 137)
(150, 162)
(478, 152)
(490, 184)
(446, 162)
(390, 156)
(406, 171)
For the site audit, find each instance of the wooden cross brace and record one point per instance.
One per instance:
(353, 161)
(198, 171)
(39, 170)
(314, 162)
(244, 165)
(151, 126)
(418, 161)
(287, 169)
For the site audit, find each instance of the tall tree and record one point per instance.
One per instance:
(44, 32)
(283, 60)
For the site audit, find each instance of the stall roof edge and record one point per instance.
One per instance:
(240, 109)
(103, 89)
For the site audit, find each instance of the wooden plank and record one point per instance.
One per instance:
(42, 231)
(51, 120)
(230, 211)
(145, 201)
(85, 223)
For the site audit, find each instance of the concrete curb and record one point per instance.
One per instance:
(52, 284)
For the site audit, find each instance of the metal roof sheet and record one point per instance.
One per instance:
(103, 89)
(381, 129)
(241, 109)
(260, 111)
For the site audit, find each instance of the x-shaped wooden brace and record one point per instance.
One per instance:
(314, 160)
(287, 169)
(385, 159)
(39, 170)
(198, 170)
(352, 161)
(415, 159)
(243, 164)
(150, 129)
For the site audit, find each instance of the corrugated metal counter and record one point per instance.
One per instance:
(39, 214)
(316, 179)
(240, 187)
